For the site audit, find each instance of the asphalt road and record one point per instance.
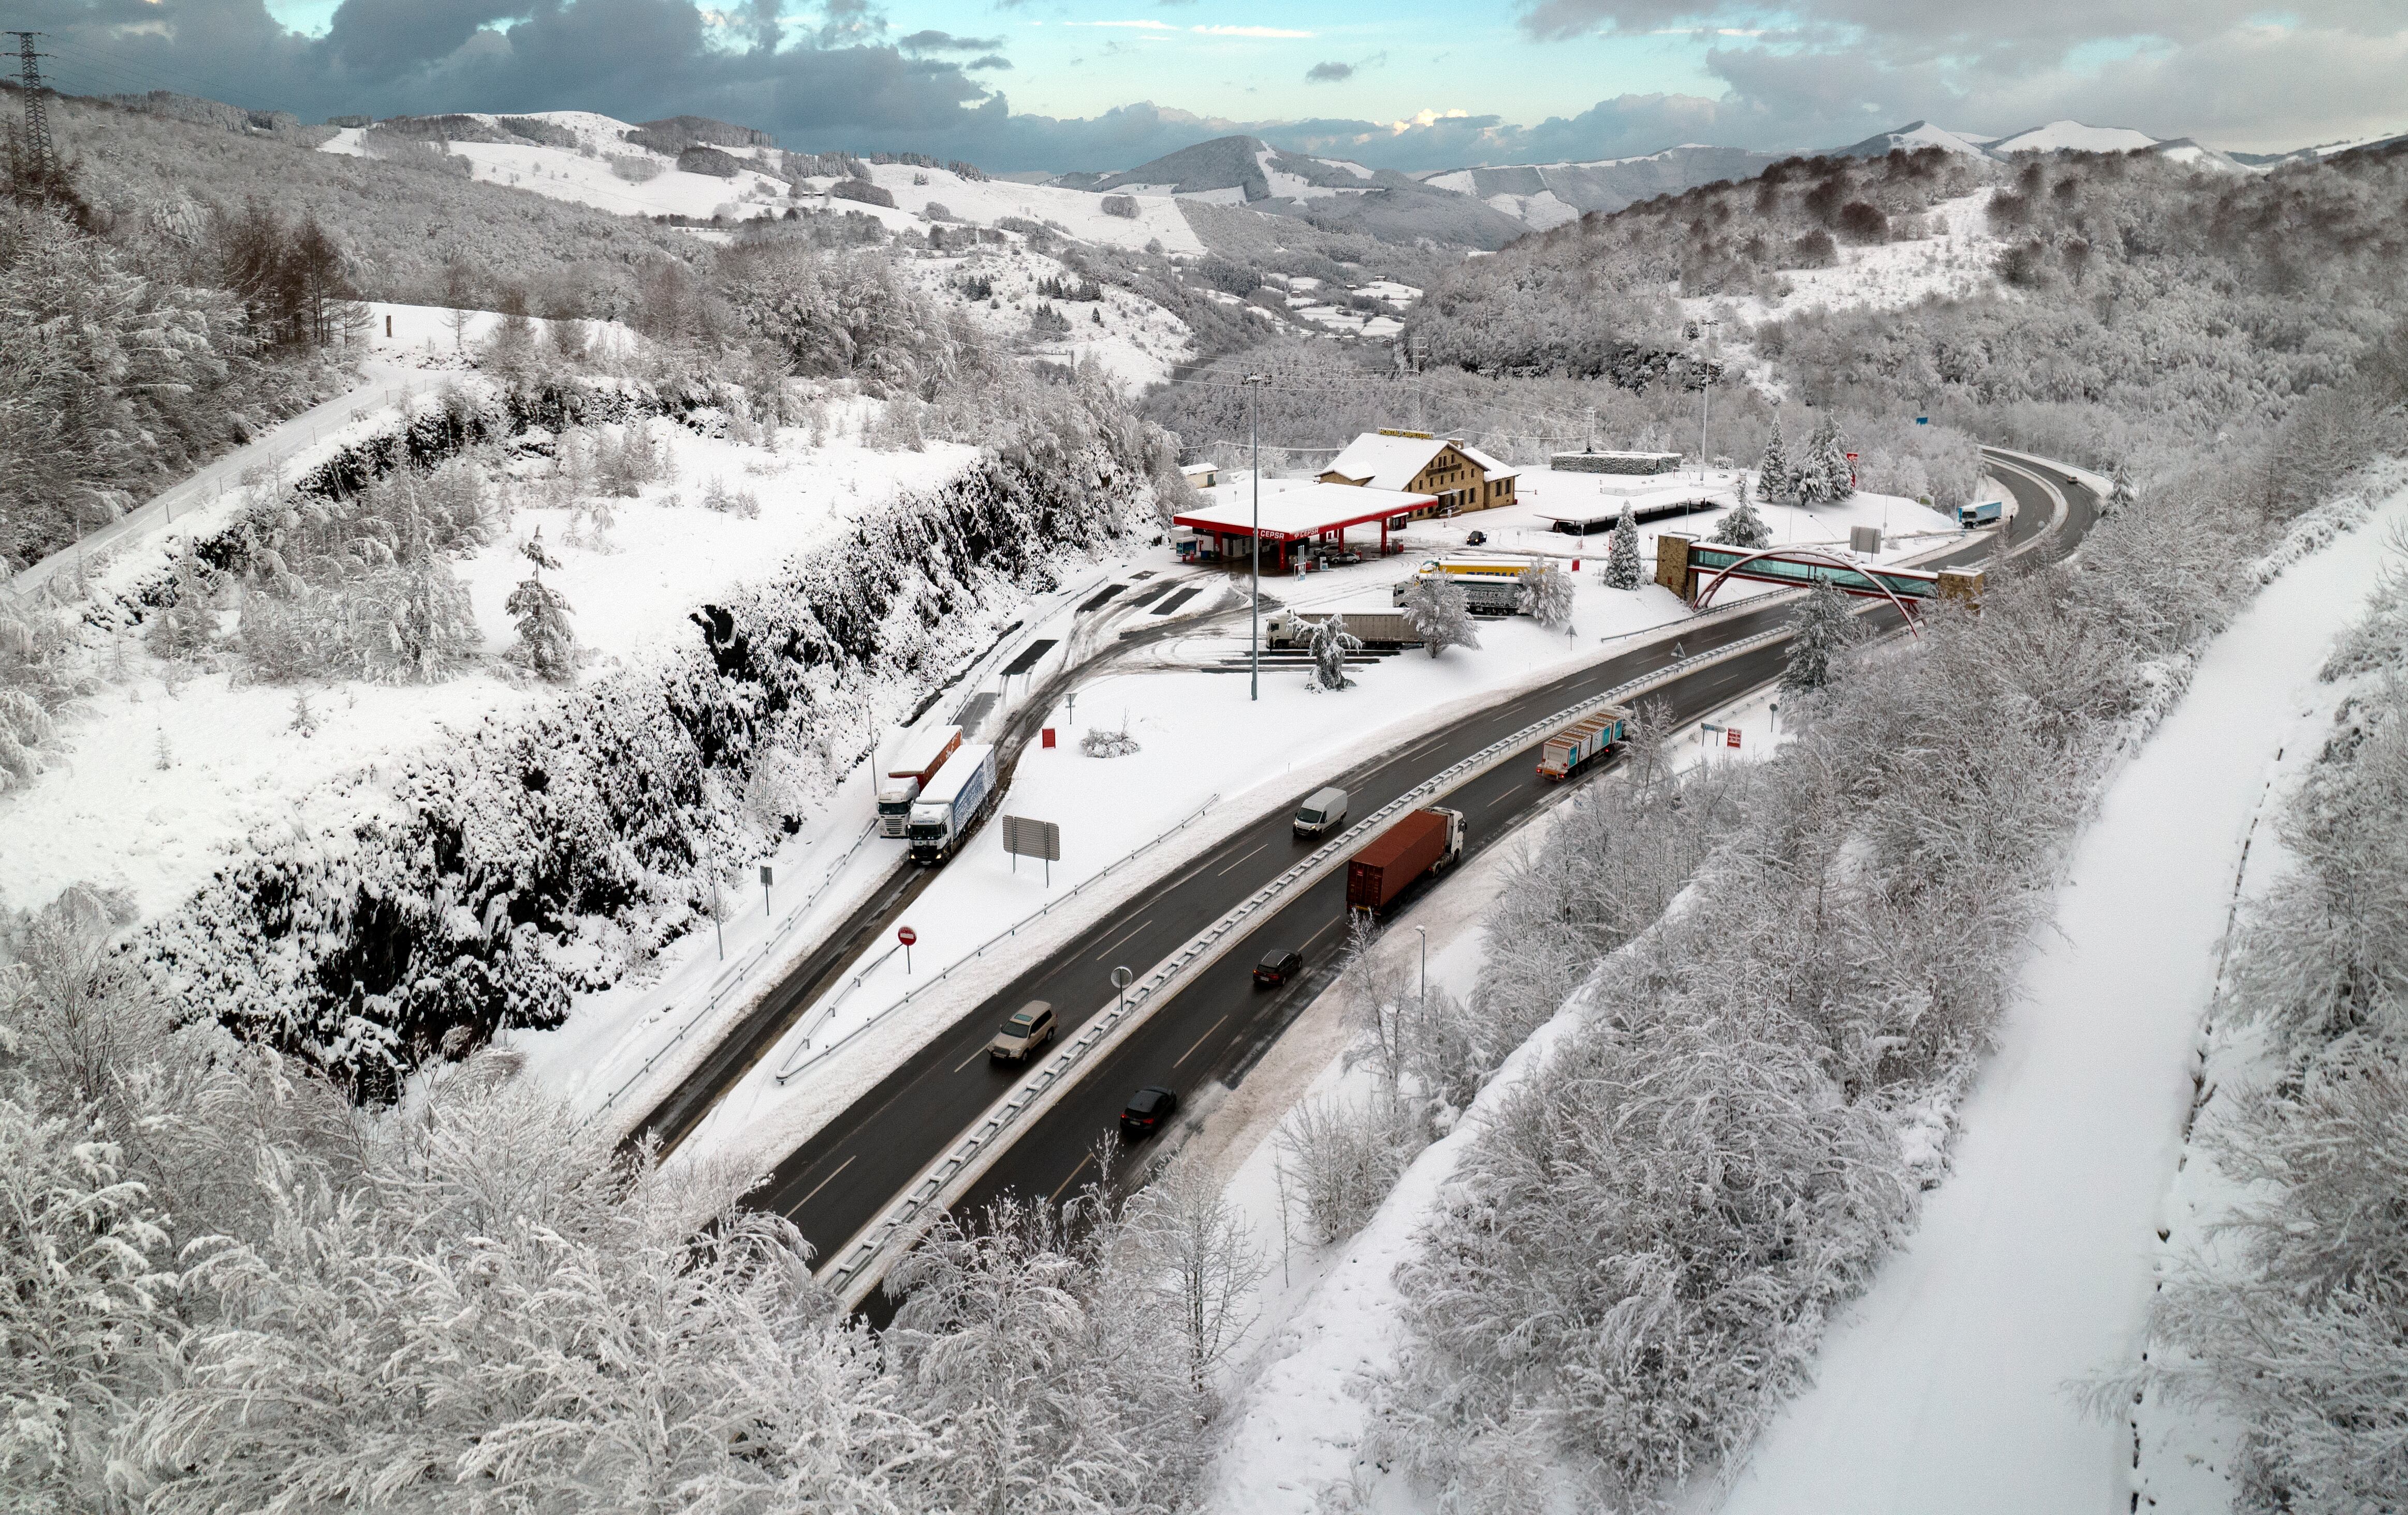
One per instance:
(1219, 1024)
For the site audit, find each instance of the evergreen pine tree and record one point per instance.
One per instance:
(1440, 613)
(1623, 566)
(1743, 527)
(2120, 491)
(1329, 643)
(1821, 634)
(1831, 462)
(1772, 478)
(547, 642)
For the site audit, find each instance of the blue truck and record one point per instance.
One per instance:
(1980, 513)
(950, 801)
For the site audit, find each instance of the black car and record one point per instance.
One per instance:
(1148, 1109)
(1478, 538)
(1277, 968)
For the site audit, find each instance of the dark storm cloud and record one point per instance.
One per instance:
(1329, 73)
(947, 42)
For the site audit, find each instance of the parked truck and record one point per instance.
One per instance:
(1584, 742)
(1489, 588)
(942, 816)
(906, 771)
(1425, 841)
(1373, 628)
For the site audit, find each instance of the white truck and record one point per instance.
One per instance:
(1374, 628)
(950, 802)
(906, 771)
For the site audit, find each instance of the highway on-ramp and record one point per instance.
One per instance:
(1216, 1023)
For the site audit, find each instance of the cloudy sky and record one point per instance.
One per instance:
(1065, 84)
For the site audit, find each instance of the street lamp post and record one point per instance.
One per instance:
(1423, 932)
(1254, 384)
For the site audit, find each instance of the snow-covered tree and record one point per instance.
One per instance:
(1204, 1257)
(1328, 643)
(86, 1288)
(1772, 474)
(2120, 493)
(1822, 475)
(1440, 613)
(1624, 566)
(547, 643)
(1545, 596)
(187, 623)
(1819, 636)
(1743, 527)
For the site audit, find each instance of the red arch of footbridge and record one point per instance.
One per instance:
(1705, 595)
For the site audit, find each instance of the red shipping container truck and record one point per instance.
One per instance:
(1423, 841)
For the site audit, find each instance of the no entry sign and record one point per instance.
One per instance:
(907, 936)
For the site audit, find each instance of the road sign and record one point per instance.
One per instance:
(1026, 837)
(907, 936)
(767, 876)
(1730, 737)
(1046, 737)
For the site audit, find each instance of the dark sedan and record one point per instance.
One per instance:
(1149, 1109)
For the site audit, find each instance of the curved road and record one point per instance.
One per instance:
(1216, 1025)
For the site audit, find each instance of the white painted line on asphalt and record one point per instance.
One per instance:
(1066, 1182)
(1200, 1040)
(1123, 937)
(1241, 858)
(821, 1184)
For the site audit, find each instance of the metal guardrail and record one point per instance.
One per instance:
(794, 1068)
(850, 1274)
(731, 977)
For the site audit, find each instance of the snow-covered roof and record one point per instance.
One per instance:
(1382, 459)
(1491, 466)
(1298, 510)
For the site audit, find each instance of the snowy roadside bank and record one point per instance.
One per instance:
(1944, 1386)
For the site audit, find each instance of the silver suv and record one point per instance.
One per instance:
(1029, 1029)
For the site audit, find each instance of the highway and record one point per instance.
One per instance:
(1218, 1024)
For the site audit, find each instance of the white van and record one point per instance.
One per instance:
(1323, 810)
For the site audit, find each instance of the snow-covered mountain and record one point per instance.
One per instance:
(1331, 193)
(1914, 136)
(2072, 137)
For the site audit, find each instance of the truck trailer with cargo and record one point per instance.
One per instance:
(942, 816)
(1425, 841)
(1372, 628)
(1980, 513)
(1489, 589)
(1584, 742)
(906, 770)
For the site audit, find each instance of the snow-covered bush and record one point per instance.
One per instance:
(1343, 1156)
(1820, 633)
(1100, 743)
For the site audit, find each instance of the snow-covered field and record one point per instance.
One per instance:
(168, 771)
(1131, 339)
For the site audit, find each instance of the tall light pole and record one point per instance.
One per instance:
(1706, 388)
(1254, 384)
(1424, 933)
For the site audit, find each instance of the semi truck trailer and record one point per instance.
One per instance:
(906, 771)
(1373, 628)
(1584, 742)
(942, 816)
(1425, 841)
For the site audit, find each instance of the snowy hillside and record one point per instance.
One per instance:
(606, 172)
